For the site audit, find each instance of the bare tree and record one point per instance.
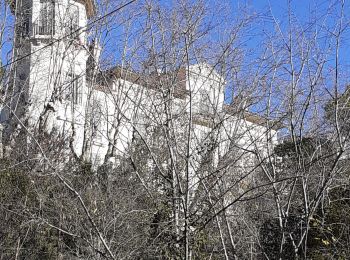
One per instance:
(168, 166)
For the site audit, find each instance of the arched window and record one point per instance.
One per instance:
(205, 106)
(46, 23)
(72, 22)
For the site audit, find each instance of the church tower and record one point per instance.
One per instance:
(49, 69)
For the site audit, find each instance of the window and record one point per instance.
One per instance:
(46, 23)
(23, 28)
(77, 91)
(23, 20)
(73, 89)
(96, 121)
(204, 103)
(72, 22)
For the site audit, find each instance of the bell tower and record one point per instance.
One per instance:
(49, 62)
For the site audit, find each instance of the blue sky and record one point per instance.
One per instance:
(301, 10)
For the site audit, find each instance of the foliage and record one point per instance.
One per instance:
(187, 185)
(330, 233)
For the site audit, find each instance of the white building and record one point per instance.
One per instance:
(52, 89)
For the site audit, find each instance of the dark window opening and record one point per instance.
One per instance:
(24, 20)
(46, 22)
(73, 89)
(72, 22)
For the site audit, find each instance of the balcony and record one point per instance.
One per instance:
(47, 31)
(44, 30)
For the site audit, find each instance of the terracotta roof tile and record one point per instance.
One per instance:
(176, 81)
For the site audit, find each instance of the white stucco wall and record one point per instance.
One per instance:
(137, 108)
(114, 115)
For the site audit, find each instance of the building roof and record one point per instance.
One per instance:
(253, 117)
(89, 5)
(154, 81)
(158, 81)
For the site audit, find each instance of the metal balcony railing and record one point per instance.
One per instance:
(41, 29)
(45, 29)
